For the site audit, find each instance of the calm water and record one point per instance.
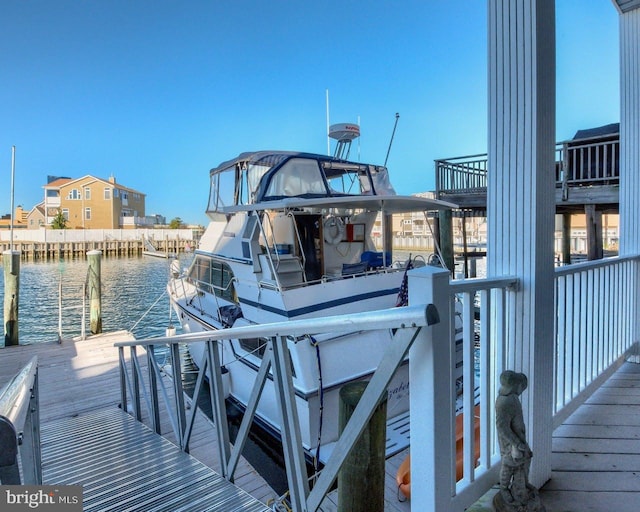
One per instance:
(133, 297)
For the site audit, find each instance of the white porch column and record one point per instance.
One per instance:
(629, 132)
(521, 199)
(630, 140)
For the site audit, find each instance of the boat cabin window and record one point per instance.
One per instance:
(297, 177)
(255, 346)
(235, 185)
(213, 276)
(348, 182)
(223, 190)
(254, 174)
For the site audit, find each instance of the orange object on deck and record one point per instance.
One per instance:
(403, 475)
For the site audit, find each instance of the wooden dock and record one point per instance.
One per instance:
(79, 398)
(44, 251)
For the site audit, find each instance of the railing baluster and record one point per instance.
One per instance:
(216, 394)
(137, 409)
(152, 365)
(123, 379)
(468, 380)
(178, 395)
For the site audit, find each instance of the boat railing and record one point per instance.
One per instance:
(20, 458)
(299, 244)
(272, 253)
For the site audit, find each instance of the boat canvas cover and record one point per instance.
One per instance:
(284, 194)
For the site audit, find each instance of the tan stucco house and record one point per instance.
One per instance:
(94, 203)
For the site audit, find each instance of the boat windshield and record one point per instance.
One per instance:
(307, 177)
(237, 184)
(257, 177)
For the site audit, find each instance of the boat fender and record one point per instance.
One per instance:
(226, 381)
(403, 479)
(175, 268)
(333, 229)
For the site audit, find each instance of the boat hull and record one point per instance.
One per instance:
(317, 405)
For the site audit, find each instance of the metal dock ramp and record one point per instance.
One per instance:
(124, 466)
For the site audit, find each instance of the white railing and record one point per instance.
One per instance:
(595, 304)
(481, 322)
(410, 323)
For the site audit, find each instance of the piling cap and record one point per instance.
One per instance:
(94, 253)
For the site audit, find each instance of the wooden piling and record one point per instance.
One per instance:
(566, 238)
(361, 479)
(11, 263)
(446, 238)
(95, 289)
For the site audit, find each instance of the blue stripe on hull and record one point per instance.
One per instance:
(321, 306)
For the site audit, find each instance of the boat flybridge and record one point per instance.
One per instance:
(292, 236)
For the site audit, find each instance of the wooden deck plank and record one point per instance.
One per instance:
(596, 454)
(575, 501)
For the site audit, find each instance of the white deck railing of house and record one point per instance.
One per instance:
(595, 305)
(595, 302)
(591, 161)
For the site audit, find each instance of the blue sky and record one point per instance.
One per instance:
(157, 92)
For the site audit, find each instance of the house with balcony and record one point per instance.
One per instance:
(94, 203)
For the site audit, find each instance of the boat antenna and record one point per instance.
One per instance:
(328, 136)
(391, 141)
(358, 141)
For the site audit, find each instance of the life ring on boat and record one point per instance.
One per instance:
(333, 230)
(403, 475)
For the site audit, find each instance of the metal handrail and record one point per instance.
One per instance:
(409, 316)
(20, 428)
(408, 320)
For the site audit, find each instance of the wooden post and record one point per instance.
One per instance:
(11, 261)
(361, 479)
(95, 307)
(446, 239)
(465, 248)
(566, 238)
(594, 232)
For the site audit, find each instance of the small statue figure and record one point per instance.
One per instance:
(516, 493)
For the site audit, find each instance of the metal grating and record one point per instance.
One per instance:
(124, 466)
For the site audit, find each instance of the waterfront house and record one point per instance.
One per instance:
(35, 217)
(94, 203)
